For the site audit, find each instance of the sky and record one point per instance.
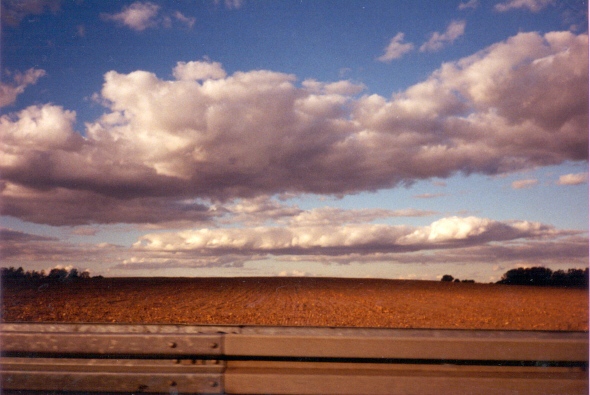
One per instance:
(357, 138)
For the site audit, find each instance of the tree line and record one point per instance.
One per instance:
(542, 276)
(538, 276)
(55, 275)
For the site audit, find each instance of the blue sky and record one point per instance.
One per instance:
(387, 139)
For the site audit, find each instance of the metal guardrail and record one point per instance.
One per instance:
(173, 359)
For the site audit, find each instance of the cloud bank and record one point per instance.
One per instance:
(448, 232)
(169, 149)
(452, 239)
(468, 240)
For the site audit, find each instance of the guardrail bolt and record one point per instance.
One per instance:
(172, 344)
(213, 384)
(214, 345)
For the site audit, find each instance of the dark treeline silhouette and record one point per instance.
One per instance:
(542, 276)
(449, 278)
(12, 275)
(539, 276)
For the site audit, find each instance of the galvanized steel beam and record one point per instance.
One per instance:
(288, 360)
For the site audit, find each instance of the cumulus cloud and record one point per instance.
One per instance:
(198, 70)
(14, 11)
(140, 16)
(531, 5)
(573, 179)
(137, 16)
(396, 48)
(9, 92)
(523, 184)
(438, 40)
(455, 239)
(564, 248)
(329, 239)
(443, 241)
(181, 145)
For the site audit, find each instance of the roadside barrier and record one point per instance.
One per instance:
(187, 359)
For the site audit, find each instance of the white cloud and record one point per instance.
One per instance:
(293, 273)
(199, 70)
(188, 21)
(338, 240)
(205, 136)
(41, 128)
(9, 92)
(137, 16)
(523, 184)
(473, 4)
(396, 48)
(468, 240)
(438, 40)
(140, 16)
(531, 5)
(573, 179)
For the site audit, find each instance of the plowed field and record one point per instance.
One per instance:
(299, 302)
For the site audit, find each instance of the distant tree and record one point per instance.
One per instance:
(12, 275)
(467, 281)
(35, 276)
(515, 277)
(541, 276)
(577, 278)
(447, 277)
(58, 274)
(559, 278)
(73, 274)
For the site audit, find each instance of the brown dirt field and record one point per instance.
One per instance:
(300, 302)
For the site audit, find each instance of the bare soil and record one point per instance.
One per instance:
(299, 302)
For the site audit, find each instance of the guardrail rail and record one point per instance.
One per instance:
(179, 359)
